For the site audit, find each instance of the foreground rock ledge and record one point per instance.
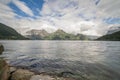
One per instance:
(4, 70)
(23, 74)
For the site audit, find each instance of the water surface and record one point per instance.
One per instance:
(93, 60)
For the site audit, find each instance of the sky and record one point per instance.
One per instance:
(90, 17)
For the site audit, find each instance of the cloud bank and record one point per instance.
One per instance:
(90, 17)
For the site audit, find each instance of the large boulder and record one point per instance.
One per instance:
(21, 74)
(4, 70)
(1, 48)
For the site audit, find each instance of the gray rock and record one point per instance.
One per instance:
(1, 48)
(47, 77)
(12, 69)
(41, 77)
(21, 74)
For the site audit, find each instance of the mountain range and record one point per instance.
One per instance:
(36, 34)
(7, 32)
(57, 35)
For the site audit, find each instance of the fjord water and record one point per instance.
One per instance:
(94, 60)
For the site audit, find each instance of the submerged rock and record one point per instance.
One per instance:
(1, 48)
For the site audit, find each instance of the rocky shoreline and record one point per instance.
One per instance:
(14, 73)
(24, 74)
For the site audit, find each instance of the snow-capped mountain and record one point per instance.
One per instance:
(113, 29)
(36, 34)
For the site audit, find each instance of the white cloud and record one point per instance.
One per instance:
(73, 16)
(4, 11)
(5, 1)
(22, 6)
(110, 7)
(69, 11)
(6, 14)
(74, 13)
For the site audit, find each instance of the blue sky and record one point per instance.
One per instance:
(93, 17)
(34, 5)
(112, 20)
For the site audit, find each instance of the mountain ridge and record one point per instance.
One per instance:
(113, 29)
(7, 32)
(111, 37)
(57, 35)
